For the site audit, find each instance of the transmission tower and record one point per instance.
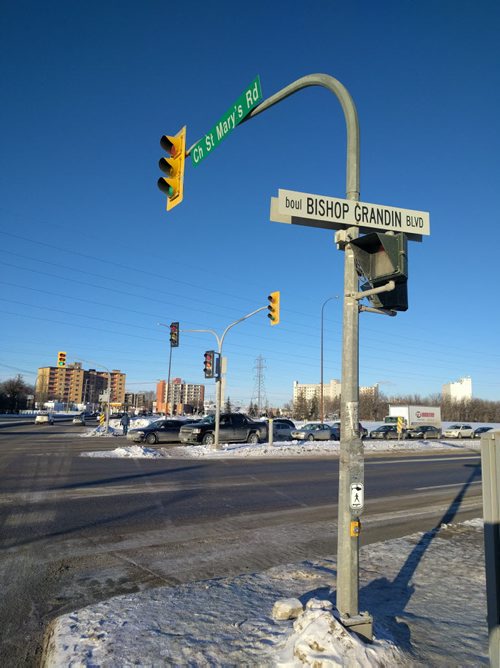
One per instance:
(259, 391)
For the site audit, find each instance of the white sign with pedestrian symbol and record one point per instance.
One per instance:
(357, 495)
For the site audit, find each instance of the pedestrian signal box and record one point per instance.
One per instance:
(381, 258)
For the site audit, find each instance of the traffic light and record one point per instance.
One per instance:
(380, 258)
(274, 308)
(209, 364)
(173, 166)
(61, 359)
(174, 334)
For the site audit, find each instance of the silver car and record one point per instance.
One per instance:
(313, 431)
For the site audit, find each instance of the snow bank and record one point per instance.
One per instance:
(426, 593)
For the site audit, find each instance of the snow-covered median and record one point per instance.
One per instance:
(278, 449)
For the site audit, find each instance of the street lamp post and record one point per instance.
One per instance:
(321, 401)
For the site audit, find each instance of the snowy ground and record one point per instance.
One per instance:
(278, 449)
(426, 593)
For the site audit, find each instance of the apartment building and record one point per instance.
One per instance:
(181, 395)
(72, 384)
(459, 390)
(331, 390)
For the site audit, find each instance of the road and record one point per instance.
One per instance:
(77, 530)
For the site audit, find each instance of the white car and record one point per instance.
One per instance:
(44, 418)
(459, 431)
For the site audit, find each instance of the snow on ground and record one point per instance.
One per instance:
(279, 449)
(426, 593)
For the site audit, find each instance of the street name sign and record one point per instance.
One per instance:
(238, 111)
(331, 213)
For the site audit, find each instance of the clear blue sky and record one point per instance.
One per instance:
(91, 261)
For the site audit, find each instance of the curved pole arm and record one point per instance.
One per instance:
(210, 331)
(350, 114)
(249, 315)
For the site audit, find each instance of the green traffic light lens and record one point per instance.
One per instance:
(170, 191)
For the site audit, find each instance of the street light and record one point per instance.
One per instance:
(321, 403)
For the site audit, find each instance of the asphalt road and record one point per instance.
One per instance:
(77, 530)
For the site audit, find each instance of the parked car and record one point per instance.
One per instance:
(282, 429)
(459, 431)
(233, 428)
(423, 431)
(313, 431)
(79, 419)
(386, 431)
(284, 421)
(363, 432)
(159, 431)
(44, 418)
(480, 430)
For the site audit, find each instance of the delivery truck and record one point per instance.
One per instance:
(414, 416)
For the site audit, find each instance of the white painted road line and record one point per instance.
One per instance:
(454, 484)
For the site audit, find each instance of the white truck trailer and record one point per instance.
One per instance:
(414, 416)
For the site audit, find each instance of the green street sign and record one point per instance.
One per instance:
(241, 108)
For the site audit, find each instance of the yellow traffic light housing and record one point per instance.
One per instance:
(173, 184)
(61, 359)
(274, 307)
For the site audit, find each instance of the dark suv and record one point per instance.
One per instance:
(233, 428)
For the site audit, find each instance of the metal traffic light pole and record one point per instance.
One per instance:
(218, 382)
(169, 410)
(351, 464)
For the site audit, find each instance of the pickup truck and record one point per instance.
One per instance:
(233, 428)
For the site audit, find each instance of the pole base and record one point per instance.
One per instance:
(361, 625)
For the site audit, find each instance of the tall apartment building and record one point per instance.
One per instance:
(331, 390)
(460, 390)
(180, 394)
(73, 385)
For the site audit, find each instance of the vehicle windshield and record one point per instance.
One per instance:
(208, 419)
(454, 426)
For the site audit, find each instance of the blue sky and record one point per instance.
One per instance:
(91, 261)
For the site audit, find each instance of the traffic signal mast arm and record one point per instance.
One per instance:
(351, 118)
